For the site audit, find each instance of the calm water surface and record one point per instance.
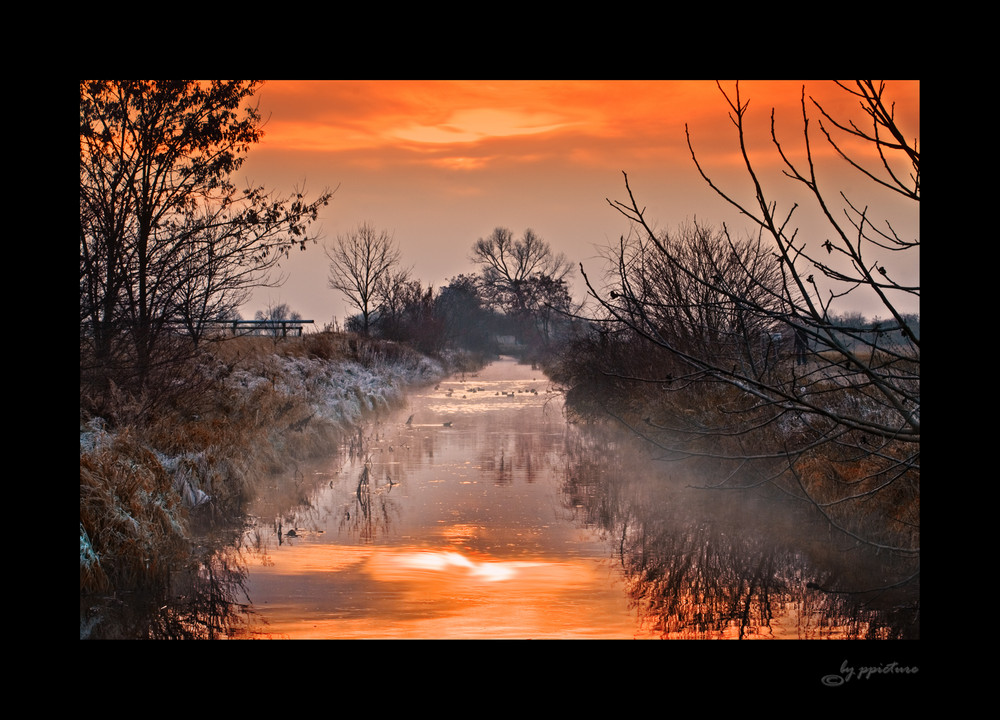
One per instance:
(478, 512)
(447, 519)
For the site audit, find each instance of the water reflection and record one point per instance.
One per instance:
(207, 600)
(455, 564)
(733, 564)
(446, 521)
(351, 593)
(478, 512)
(372, 510)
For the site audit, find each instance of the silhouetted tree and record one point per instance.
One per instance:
(164, 232)
(521, 277)
(361, 262)
(849, 414)
(467, 322)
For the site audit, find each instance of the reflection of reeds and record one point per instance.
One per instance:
(259, 406)
(372, 510)
(207, 600)
(704, 563)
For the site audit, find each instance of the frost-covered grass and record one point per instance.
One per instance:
(811, 442)
(260, 406)
(344, 392)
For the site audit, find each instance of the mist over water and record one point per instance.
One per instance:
(451, 525)
(477, 511)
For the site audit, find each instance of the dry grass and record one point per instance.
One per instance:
(866, 486)
(132, 529)
(232, 417)
(243, 350)
(872, 496)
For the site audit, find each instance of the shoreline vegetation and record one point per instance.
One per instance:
(870, 494)
(724, 349)
(154, 475)
(155, 480)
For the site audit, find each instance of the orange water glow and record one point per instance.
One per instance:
(422, 593)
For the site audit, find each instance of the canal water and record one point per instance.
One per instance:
(447, 519)
(477, 511)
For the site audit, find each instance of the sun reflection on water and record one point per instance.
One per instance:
(469, 540)
(455, 562)
(412, 592)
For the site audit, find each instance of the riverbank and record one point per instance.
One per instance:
(814, 431)
(151, 474)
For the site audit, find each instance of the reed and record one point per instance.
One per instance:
(239, 411)
(865, 485)
(132, 529)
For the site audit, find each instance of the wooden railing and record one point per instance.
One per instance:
(272, 327)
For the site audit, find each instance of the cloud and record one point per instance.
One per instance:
(475, 124)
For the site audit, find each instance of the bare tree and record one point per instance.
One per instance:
(850, 400)
(276, 315)
(508, 263)
(164, 231)
(522, 277)
(360, 263)
(689, 290)
(394, 291)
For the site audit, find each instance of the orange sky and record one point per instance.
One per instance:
(441, 163)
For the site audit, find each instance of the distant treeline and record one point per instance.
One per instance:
(855, 329)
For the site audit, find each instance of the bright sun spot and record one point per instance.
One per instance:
(456, 562)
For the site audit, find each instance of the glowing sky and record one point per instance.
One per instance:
(441, 163)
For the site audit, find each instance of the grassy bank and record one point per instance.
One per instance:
(865, 485)
(156, 466)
